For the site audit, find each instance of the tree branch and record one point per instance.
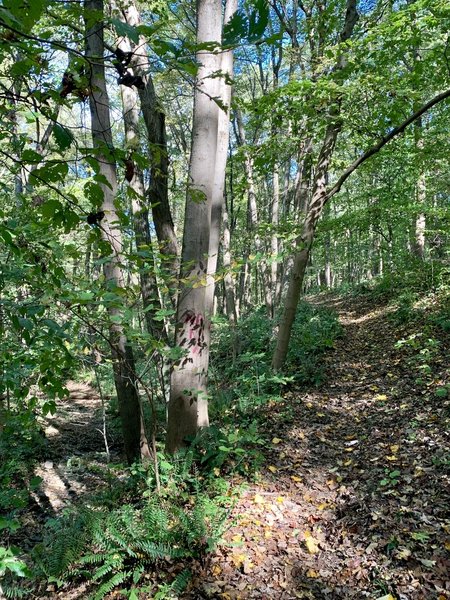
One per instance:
(385, 140)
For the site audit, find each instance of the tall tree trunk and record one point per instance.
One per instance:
(223, 136)
(122, 354)
(318, 200)
(148, 284)
(154, 119)
(188, 405)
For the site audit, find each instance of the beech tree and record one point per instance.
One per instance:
(188, 406)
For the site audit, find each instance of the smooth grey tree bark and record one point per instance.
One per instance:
(188, 405)
(223, 92)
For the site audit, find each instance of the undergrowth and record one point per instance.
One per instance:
(247, 350)
(142, 542)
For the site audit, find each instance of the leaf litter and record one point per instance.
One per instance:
(353, 500)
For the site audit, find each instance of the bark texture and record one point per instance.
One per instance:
(188, 405)
(155, 123)
(122, 354)
(148, 284)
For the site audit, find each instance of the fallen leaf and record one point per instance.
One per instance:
(427, 563)
(276, 440)
(394, 448)
(312, 545)
(272, 469)
(247, 567)
(391, 458)
(238, 560)
(403, 553)
(387, 597)
(312, 574)
(296, 479)
(257, 499)
(381, 397)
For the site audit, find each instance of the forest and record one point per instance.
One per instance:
(224, 299)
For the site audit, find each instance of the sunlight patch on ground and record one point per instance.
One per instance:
(53, 487)
(348, 319)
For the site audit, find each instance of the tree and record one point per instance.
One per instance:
(321, 193)
(188, 406)
(134, 437)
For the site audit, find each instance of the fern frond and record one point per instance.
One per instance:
(109, 585)
(181, 581)
(112, 564)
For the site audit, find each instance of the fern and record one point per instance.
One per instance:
(111, 548)
(180, 582)
(109, 585)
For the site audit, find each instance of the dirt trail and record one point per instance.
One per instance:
(353, 501)
(74, 445)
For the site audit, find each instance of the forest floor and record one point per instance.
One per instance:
(355, 498)
(352, 500)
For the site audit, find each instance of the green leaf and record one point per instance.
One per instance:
(93, 193)
(26, 14)
(31, 157)
(35, 482)
(50, 173)
(442, 392)
(125, 30)
(50, 208)
(235, 29)
(258, 20)
(26, 323)
(63, 136)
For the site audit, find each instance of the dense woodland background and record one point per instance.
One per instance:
(175, 176)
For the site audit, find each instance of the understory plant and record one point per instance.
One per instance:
(137, 546)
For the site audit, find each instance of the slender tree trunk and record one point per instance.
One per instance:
(318, 200)
(253, 220)
(122, 354)
(154, 119)
(327, 261)
(274, 266)
(188, 405)
(148, 284)
(421, 195)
